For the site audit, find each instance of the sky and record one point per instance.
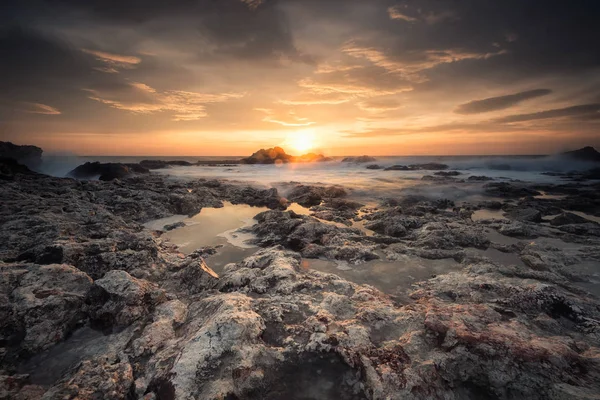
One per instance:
(341, 77)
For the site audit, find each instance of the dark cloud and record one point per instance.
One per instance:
(499, 103)
(579, 110)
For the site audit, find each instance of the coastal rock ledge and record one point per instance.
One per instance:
(95, 306)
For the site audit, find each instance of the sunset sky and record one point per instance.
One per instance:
(343, 77)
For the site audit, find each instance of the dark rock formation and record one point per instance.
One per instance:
(10, 167)
(106, 171)
(277, 155)
(309, 196)
(568, 218)
(374, 166)
(479, 178)
(359, 159)
(30, 156)
(419, 167)
(447, 173)
(525, 215)
(587, 153)
(160, 164)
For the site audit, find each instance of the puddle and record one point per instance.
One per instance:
(388, 276)
(547, 196)
(501, 258)
(497, 237)
(487, 214)
(214, 226)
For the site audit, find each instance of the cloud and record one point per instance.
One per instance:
(38, 108)
(590, 110)
(289, 118)
(500, 102)
(143, 99)
(113, 62)
(378, 105)
(395, 12)
(412, 64)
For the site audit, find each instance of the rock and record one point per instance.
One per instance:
(104, 378)
(174, 226)
(518, 230)
(359, 159)
(525, 215)
(160, 164)
(42, 304)
(118, 299)
(107, 171)
(374, 166)
(10, 167)
(278, 155)
(398, 168)
(429, 166)
(479, 178)
(447, 173)
(30, 156)
(505, 189)
(309, 196)
(568, 218)
(418, 167)
(587, 153)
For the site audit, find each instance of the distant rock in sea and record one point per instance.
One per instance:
(374, 166)
(160, 164)
(31, 156)
(278, 155)
(106, 171)
(418, 167)
(587, 153)
(359, 159)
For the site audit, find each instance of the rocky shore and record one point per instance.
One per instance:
(95, 306)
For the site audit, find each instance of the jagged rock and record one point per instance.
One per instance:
(374, 166)
(277, 155)
(31, 156)
(359, 159)
(309, 196)
(41, 304)
(525, 215)
(587, 153)
(160, 164)
(505, 189)
(567, 218)
(448, 173)
(105, 378)
(107, 171)
(118, 299)
(479, 178)
(10, 167)
(174, 226)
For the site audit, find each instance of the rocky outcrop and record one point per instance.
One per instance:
(41, 306)
(309, 196)
(106, 171)
(359, 159)
(418, 167)
(587, 153)
(277, 155)
(567, 218)
(161, 164)
(30, 156)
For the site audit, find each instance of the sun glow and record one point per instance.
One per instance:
(301, 141)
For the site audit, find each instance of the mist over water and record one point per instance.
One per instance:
(362, 182)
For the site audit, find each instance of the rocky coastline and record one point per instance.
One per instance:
(96, 306)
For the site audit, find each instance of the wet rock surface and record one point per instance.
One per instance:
(161, 325)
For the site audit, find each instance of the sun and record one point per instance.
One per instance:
(301, 141)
